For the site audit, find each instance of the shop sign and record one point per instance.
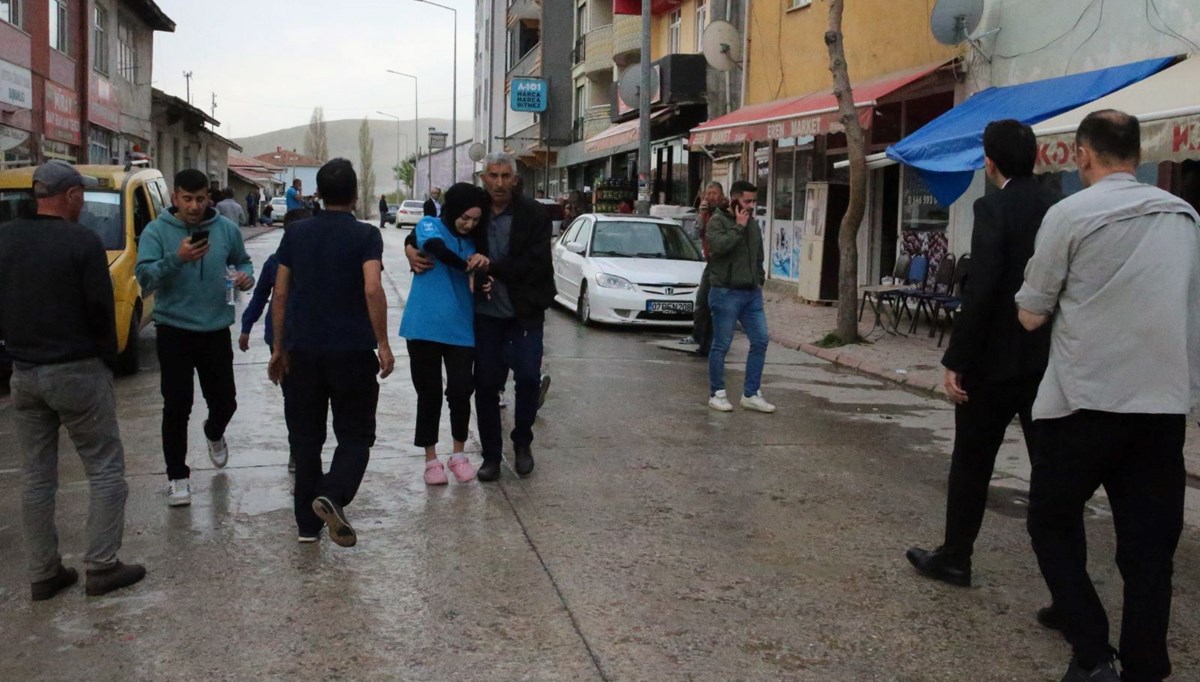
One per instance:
(800, 126)
(920, 209)
(16, 85)
(530, 95)
(105, 107)
(62, 114)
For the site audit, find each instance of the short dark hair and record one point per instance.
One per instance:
(294, 215)
(1114, 135)
(462, 197)
(337, 183)
(1012, 146)
(742, 187)
(191, 180)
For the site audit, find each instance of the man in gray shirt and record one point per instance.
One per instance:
(1117, 272)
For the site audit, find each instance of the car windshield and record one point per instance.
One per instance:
(643, 240)
(101, 214)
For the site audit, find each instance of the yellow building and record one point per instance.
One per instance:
(787, 138)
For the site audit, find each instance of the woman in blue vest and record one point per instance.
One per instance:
(439, 325)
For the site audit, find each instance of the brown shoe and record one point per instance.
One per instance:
(45, 589)
(109, 579)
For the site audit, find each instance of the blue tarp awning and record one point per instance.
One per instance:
(949, 149)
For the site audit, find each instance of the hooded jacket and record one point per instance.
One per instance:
(735, 259)
(190, 296)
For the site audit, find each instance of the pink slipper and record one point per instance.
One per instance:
(435, 473)
(461, 466)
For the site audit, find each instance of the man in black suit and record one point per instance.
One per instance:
(993, 366)
(433, 205)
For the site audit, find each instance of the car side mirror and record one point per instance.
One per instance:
(576, 248)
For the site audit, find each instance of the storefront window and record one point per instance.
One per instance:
(784, 184)
(53, 149)
(15, 148)
(100, 145)
(920, 210)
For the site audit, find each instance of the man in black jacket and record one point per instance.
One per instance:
(993, 366)
(509, 324)
(433, 205)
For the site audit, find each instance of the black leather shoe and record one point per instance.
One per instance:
(63, 578)
(106, 580)
(524, 460)
(939, 565)
(1106, 671)
(1051, 618)
(489, 471)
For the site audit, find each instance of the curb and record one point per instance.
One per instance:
(843, 358)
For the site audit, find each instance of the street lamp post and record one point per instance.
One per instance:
(643, 203)
(416, 109)
(395, 170)
(453, 97)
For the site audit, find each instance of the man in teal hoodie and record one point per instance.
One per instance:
(183, 258)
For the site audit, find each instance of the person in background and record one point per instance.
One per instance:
(329, 318)
(56, 305)
(294, 196)
(184, 257)
(625, 207)
(267, 213)
(711, 200)
(439, 326)
(231, 208)
(383, 211)
(736, 277)
(433, 205)
(252, 199)
(540, 194)
(260, 301)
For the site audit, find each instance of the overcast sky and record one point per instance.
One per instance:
(271, 62)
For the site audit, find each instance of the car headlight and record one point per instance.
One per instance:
(613, 282)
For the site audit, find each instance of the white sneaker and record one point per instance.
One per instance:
(756, 403)
(179, 493)
(720, 402)
(218, 452)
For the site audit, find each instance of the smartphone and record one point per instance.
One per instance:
(199, 236)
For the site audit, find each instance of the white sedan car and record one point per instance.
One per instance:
(411, 212)
(628, 270)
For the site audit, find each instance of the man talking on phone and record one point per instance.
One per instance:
(736, 277)
(183, 257)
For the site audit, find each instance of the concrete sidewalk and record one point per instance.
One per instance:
(913, 361)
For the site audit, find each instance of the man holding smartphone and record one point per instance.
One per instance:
(736, 277)
(182, 257)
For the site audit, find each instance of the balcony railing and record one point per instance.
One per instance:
(529, 65)
(596, 120)
(580, 51)
(598, 56)
(627, 40)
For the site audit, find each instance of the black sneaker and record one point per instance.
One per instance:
(940, 565)
(109, 579)
(340, 530)
(489, 471)
(63, 578)
(1106, 671)
(523, 463)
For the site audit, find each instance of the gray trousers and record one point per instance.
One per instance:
(79, 396)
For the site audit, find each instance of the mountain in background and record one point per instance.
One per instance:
(343, 142)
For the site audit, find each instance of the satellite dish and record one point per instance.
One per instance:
(477, 152)
(629, 88)
(722, 46)
(953, 21)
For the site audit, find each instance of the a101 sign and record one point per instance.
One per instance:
(529, 94)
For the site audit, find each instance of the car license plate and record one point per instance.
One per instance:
(675, 307)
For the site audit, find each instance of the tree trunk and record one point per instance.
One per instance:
(847, 327)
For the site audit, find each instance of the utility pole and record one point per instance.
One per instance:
(188, 77)
(214, 110)
(643, 204)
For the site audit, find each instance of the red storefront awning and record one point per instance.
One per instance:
(620, 134)
(635, 6)
(806, 116)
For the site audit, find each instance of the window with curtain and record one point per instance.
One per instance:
(674, 32)
(100, 40)
(59, 35)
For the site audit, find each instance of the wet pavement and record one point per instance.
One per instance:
(656, 540)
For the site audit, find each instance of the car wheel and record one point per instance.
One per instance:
(584, 308)
(127, 361)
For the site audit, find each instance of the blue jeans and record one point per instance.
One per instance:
(730, 306)
(503, 345)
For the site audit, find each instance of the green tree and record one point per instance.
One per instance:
(366, 175)
(405, 172)
(316, 140)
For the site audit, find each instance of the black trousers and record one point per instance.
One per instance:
(183, 355)
(702, 316)
(979, 428)
(1138, 458)
(502, 345)
(425, 360)
(316, 381)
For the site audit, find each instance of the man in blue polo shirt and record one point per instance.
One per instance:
(329, 316)
(294, 197)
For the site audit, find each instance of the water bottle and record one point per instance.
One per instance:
(230, 291)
